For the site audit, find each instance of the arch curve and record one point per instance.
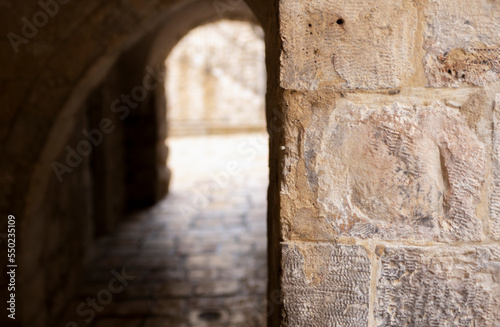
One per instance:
(104, 40)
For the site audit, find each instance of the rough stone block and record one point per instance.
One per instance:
(325, 284)
(462, 42)
(395, 171)
(346, 44)
(439, 287)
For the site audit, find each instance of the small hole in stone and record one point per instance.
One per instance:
(310, 25)
(340, 21)
(449, 72)
(210, 316)
(463, 75)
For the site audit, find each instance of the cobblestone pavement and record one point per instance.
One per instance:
(198, 258)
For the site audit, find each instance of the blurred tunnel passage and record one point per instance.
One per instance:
(198, 257)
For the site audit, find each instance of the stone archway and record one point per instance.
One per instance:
(47, 118)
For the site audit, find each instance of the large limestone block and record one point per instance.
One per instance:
(412, 166)
(462, 42)
(347, 44)
(402, 171)
(439, 287)
(325, 284)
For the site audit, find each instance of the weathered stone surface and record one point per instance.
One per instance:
(325, 284)
(400, 171)
(462, 42)
(346, 44)
(495, 193)
(439, 287)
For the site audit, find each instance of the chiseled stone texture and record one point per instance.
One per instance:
(462, 42)
(398, 171)
(347, 44)
(413, 169)
(495, 193)
(439, 287)
(325, 284)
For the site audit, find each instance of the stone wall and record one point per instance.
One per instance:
(53, 242)
(384, 174)
(216, 80)
(389, 213)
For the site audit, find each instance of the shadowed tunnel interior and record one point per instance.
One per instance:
(199, 256)
(102, 176)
